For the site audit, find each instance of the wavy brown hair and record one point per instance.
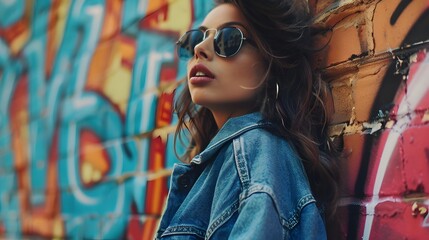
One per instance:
(282, 31)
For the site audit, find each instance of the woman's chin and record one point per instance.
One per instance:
(202, 102)
(201, 98)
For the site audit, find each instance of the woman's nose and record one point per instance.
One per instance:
(205, 49)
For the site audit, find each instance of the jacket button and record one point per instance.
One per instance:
(184, 181)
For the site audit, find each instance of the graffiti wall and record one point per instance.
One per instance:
(86, 95)
(86, 123)
(377, 64)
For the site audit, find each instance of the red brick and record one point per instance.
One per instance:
(344, 43)
(345, 211)
(355, 210)
(392, 183)
(395, 220)
(392, 219)
(389, 36)
(343, 104)
(413, 93)
(416, 159)
(351, 36)
(366, 87)
(392, 180)
(353, 149)
(417, 77)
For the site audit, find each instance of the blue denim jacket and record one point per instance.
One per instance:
(247, 184)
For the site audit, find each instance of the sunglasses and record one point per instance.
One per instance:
(227, 42)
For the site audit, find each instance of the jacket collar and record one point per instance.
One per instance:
(231, 129)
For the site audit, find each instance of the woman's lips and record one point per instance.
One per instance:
(200, 74)
(200, 80)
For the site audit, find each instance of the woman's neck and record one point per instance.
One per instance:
(221, 117)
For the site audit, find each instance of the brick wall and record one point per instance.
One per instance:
(86, 92)
(377, 65)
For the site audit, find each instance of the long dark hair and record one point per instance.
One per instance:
(282, 31)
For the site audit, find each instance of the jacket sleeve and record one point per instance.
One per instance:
(257, 219)
(310, 226)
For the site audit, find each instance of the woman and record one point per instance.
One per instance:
(259, 164)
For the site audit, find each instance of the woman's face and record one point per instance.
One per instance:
(225, 85)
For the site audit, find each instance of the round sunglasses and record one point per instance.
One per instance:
(227, 42)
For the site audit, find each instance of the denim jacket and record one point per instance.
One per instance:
(247, 184)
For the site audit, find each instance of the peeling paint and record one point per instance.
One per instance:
(369, 28)
(404, 61)
(419, 209)
(425, 118)
(353, 129)
(389, 124)
(389, 210)
(371, 128)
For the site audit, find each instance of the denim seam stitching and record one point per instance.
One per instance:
(219, 221)
(260, 188)
(295, 215)
(183, 230)
(289, 222)
(240, 162)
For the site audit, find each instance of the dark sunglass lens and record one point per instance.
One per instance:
(228, 41)
(185, 47)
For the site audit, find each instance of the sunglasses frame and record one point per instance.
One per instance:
(242, 40)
